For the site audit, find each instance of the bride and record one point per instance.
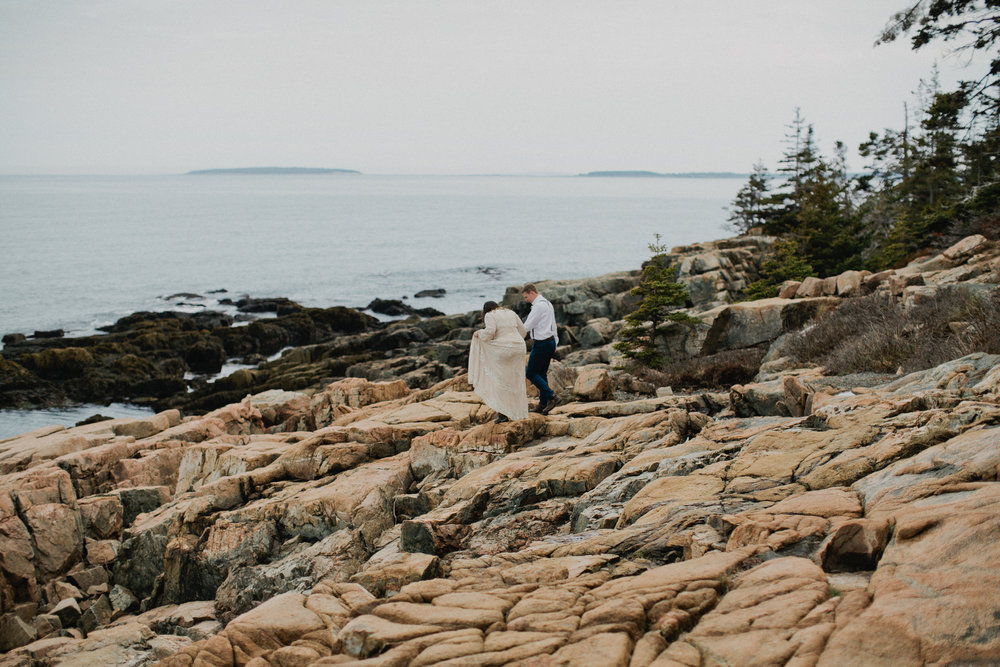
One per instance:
(496, 363)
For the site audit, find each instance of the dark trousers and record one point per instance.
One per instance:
(538, 368)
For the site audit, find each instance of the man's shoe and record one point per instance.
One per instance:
(501, 419)
(540, 408)
(548, 406)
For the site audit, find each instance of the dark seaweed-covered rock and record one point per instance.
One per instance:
(58, 363)
(390, 307)
(54, 333)
(94, 419)
(206, 356)
(144, 357)
(209, 319)
(280, 305)
(395, 307)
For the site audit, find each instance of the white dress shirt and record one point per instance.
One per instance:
(541, 321)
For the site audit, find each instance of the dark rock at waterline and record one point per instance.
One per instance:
(93, 419)
(144, 356)
(145, 361)
(389, 307)
(209, 319)
(395, 307)
(433, 293)
(206, 356)
(183, 295)
(253, 359)
(279, 305)
(14, 339)
(54, 333)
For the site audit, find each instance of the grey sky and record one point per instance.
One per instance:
(440, 86)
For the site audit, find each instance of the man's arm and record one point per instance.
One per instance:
(531, 321)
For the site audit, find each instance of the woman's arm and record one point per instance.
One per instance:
(490, 332)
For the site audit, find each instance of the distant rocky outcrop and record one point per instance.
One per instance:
(387, 520)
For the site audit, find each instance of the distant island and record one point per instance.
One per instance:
(653, 174)
(272, 170)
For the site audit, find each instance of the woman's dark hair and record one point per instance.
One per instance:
(489, 306)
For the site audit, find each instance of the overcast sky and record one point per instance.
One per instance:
(441, 86)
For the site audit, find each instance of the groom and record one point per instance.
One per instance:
(541, 324)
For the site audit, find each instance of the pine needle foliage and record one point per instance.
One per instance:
(785, 264)
(661, 296)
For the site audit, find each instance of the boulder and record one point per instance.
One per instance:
(390, 571)
(122, 600)
(755, 322)
(58, 536)
(789, 289)
(830, 285)
(102, 516)
(597, 332)
(849, 283)
(138, 500)
(809, 288)
(86, 578)
(14, 632)
(46, 624)
(102, 552)
(967, 247)
(98, 614)
(594, 384)
(144, 428)
(68, 612)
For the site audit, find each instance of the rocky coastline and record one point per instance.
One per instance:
(351, 502)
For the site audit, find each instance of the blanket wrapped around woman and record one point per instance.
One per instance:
(496, 363)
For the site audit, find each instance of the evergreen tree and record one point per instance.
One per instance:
(749, 209)
(661, 295)
(948, 183)
(975, 24)
(786, 264)
(922, 180)
(825, 231)
(812, 210)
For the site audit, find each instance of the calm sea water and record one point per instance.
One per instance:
(81, 251)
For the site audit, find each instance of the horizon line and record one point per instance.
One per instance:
(602, 173)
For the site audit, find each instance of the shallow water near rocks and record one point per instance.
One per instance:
(16, 422)
(83, 251)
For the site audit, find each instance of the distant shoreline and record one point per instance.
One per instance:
(270, 171)
(654, 174)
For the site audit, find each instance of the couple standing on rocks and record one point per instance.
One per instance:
(496, 357)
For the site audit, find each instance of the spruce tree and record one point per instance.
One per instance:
(785, 264)
(749, 209)
(661, 295)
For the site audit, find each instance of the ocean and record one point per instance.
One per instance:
(79, 252)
